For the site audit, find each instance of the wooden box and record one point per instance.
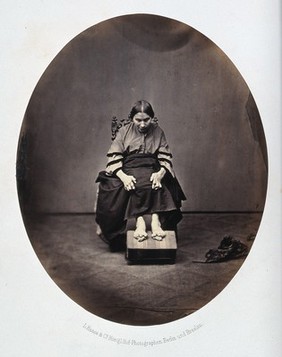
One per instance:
(151, 251)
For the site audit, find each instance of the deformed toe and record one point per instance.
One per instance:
(140, 236)
(157, 237)
(141, 239)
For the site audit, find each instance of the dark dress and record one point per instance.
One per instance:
(139, 155)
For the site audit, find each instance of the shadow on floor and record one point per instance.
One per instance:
(104, 284)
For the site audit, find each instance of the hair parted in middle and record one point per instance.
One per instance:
(142, 106)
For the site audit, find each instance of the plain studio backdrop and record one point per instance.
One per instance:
(199, 97)
(35, 312)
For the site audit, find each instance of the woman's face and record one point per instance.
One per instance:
(142, 121)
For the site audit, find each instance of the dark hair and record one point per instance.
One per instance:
(142, 106)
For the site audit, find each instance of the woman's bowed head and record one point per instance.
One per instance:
(140, 159)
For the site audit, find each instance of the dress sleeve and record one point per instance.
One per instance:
(115, 155)
(165, 156)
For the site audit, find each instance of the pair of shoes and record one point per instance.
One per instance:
(228, 249)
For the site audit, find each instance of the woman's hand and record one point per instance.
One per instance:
(156, 178)
(127, 180)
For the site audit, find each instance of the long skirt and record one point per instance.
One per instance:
(115, 205)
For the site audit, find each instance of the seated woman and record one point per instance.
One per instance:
(138, 180)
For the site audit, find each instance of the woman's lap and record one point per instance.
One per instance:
(115, 205)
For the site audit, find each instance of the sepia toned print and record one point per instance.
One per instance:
(214, 131)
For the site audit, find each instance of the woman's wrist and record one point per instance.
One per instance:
(162, 171)
(120, 174)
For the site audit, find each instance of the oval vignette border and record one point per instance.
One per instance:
(65, 136)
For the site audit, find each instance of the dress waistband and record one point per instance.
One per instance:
(135, 160)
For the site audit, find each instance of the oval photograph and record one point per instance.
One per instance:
(141, 170)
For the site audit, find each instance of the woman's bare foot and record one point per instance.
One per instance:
(140, 232)
(157, 232)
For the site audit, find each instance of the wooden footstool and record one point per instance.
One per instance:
(151, 251)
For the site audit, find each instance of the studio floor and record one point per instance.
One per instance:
(104, 283)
